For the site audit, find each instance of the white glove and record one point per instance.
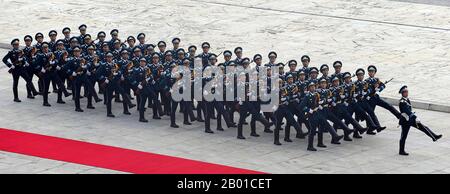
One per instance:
(122, 78)
(84, 67)
(342, 96)
(115, 74)
(320, 107)
(240, 102)
(345, 103)
(58, 68)
(321, 102)
(27, 64)
(97, 64)
(88, 73)
(364, 93)
(107, 81)
(333, 104)
(74, 74)
(368, 97)
(311, 111)
(140, 86)
(355, 95)
(329, 99)
(43, 70)
(13, 67)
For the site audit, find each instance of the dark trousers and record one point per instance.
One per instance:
(421, 127)
(249, 108)
(51, 76)
(109, 89)
(17, 73)
(187, 111)
(146, 93)
(284, 112)
(341, 111)
(377, 101)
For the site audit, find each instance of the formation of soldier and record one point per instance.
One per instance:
(133, 70)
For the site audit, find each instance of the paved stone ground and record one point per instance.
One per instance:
(407, 41)
(372, 154)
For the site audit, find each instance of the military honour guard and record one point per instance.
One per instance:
(134, 72)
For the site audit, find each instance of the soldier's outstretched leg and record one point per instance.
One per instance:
(142, 101)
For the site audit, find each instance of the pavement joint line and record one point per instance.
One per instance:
(326, 15)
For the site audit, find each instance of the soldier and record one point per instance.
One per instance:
(316, 119)
(101, 36)
(142, 82)
(305, 62)
(283, 111)
(187, 104)
(362, 92)
(176, 46)
(66, 32)
(61, 58)
(156, 67)
(272, 59)
(324, 69)
(142, 45)
(82, 29)
(17, 62)
(46, 62)
(76, 68)
(238, 53)
(114, 36)
(52, 44)
(91, 73)
(162, 49)
(248, 106)
(110, 75)
(131, 45)
(409, 119)
(87, 42)
(149, 50)
(339, 107)
(295, 107)
(293, 69)
(205, 54)
(337, 65)
(39, 40)
(376, 86)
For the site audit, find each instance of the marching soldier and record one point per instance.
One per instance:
(316, 119)
(337, 65)
(305, 62)
(101, 37)
(66, 33)
(82, 29)
(409, 119)
(142, 82)
(52, 44)
(46, 63)
(76, 68)
(324, 69)
(376, 86)
(176, 46)
(17, 62)
(114, 36)
(362, 92)
(162, 50)
(142, 45)
(238, 53)
(110, 75)
(272, 59)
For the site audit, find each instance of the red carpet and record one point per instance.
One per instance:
(104, 156)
